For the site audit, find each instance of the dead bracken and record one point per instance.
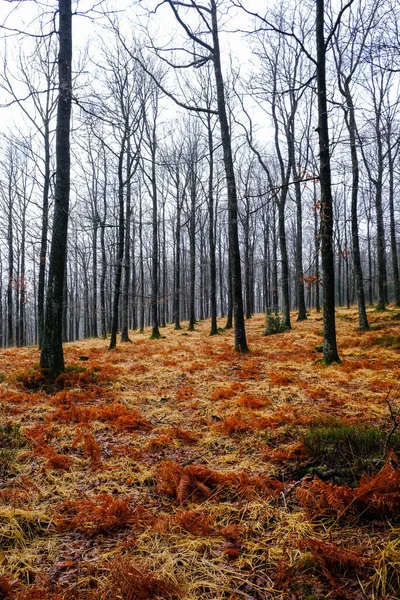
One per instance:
(176, 469)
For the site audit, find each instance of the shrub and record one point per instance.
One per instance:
(274, 324)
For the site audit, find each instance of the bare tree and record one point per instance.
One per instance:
(52, 356)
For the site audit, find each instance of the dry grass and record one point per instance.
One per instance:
(175, 468)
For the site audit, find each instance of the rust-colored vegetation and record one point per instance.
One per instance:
(177, 469)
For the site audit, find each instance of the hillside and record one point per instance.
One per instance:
(177, 469)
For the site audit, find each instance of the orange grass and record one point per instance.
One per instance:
(177, 469)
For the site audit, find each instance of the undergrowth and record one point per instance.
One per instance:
(178, 469)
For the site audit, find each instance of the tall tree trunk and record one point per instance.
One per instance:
(164, 272)
(177, 270)
(284, 261)
(301, 301)
(351, 126)
(127, 252)
(22, 283)
(211, 231)
(275, 297)
(134, 280)
(52, 356)
(141, 267)
(380, 228)
(94, 327)
(10, 284)
(120, 248)
(234, 250)
(44, 232)
(155, 333)
(247, 273)
(229, 285)
(330, 353)
(393, 241)
(192, 251)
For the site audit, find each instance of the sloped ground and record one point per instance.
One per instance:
(177, 469)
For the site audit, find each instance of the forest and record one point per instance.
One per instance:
(199, 300)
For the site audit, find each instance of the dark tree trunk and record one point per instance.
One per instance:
(134, 281)
(164, 272)
(240, 332)
(155, 333)
(275, 297)
(330, 353)
(192, 251)
(393, 241)
(247, 267)
(229, 319)
(44, 233)
(141, 268)
(177, 273)
(380, 229)
(351, 125)
(221, 278)
(127, 252)
(94, 326)
(301, 301)
(52, 357)
(369, 246)
(10, 284)
(284, 261)
(211, 231)
(120, 249)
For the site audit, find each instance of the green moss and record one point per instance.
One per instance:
(345, 452)
(363, 441)
(389, 341)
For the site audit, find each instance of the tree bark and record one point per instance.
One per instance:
(330, 353)
(351, 125)
(52, 356)
(239, 326)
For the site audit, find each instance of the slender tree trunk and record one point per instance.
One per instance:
(192, 251)
(275, 296)
(164, 272)
(44, 232)
(177, 278)
(120, 248)
(380, 229)
(247, 274)
(94, 327)
(134, 281)
(229, 320)
(211, 229)
(155, 333)
(284, 261)
(301, 301)
(393, 241)
(351, 125)
(240, 332)
(10, 284)
(369, 251)
(127, 252)
(330, 353)
(221, 277)
(22, 298)
(52, 356)
(141, 268)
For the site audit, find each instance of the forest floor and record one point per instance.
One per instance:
(177, 469)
